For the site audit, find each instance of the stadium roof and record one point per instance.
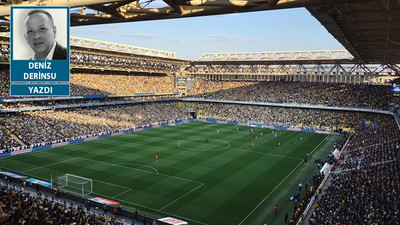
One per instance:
(368, 29)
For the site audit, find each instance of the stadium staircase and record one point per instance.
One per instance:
(9, 132)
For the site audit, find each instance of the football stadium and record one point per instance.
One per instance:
(246, 138)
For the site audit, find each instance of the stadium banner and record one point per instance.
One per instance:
(232, 123)
(104, 135)
(13, 175)
(368, 124)
(39, 50)
(90, 138)
(39, 89)
(103, 201)
(222, 122)
(172, 221)
(60, 144)
(117, 133)
(255, 124)
(396, 89)
(294, 129)
(128, 131)
(181, 80)
(42, 147)
(35, 181)
(280, 128)
(21, 151)
(307, 130)
(5, 154)
(322, 132)
(76, 141)
(147, 127)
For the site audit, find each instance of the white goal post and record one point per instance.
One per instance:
(74, 183)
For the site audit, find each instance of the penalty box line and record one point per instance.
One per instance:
(301, 163)
(131, 203)
(78, 158)
(182, 196)
(191, 181)
(156, 173)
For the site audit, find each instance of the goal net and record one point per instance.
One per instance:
(75, 184)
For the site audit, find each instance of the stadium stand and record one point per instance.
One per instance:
(366, 190)
(363, 189)
(93, 84)
(43, 127)
(330, 94)
(290, 117)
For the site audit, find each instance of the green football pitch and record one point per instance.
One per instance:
(207, 173)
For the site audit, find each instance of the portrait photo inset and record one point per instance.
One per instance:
(39, 35)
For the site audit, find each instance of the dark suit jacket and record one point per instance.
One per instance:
(60, 52)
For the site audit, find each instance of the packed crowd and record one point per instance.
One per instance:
(95, 84)
(47, 126)
(4, 84)
(372, 146)
(366, 191)
(200, 87)
(6, 141)
(289, 117)
(330, 94)
(92, 84)
(18, 206)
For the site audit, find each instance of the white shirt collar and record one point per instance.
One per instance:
(50, 55)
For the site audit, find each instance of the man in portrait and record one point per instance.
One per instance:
(40, 33)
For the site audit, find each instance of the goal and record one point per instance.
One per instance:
(75, 184)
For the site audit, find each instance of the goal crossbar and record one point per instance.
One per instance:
(75, 182)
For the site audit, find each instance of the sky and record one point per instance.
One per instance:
(264, 31)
